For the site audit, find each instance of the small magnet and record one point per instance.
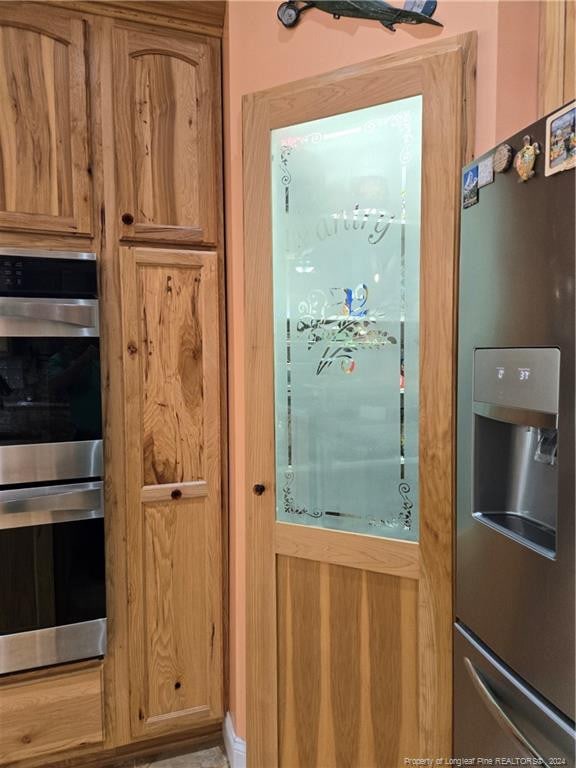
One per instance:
(525, 159)
(503, 158)
(486, 171)
(561, 140)
(470, 192)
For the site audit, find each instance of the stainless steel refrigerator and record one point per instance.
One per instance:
(514, 635)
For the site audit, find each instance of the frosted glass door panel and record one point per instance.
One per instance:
(346, 248)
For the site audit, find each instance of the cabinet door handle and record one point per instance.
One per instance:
(127, 219)
(505, 722)
(258, 489)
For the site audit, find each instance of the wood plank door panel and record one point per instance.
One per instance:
(171, 361)
(167, 123)
(45, 175)
(349, 633)
(347, 682)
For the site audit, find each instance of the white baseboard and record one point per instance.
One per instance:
(235, 746)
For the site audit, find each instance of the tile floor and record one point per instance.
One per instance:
(207, 758)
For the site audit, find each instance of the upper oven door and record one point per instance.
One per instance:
(50, 398)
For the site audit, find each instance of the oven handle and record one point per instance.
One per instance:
(83, 315)
(506, 723)
(46, 509)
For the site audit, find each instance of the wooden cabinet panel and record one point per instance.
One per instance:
(42, 716)
(352, 700)
(101, 117)
(171, 369)
(171, 331)
(179, 627)
(44, 162)
(556, 66)
(166, 122)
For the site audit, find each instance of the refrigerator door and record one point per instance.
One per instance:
(516, 390)
(496, 715)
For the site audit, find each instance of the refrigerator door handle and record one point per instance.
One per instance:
(500, 716)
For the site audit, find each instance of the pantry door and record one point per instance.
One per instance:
(352, 200)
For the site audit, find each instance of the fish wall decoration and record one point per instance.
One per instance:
(413, 11)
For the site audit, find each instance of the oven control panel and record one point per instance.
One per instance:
(11, 274)
(47, 277)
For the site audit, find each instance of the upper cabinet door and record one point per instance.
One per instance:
(44, 162)
(167, 128)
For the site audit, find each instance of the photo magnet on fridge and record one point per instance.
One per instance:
(470, 193)
(486, 171)
(561, 140)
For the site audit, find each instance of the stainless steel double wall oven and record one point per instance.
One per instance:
(52, 586)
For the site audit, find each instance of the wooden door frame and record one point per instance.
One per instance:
(446, 72)
(556, 55)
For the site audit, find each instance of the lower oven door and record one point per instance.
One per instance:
(498, 716)
(52, 579)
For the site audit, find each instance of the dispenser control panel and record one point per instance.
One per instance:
(518, 377)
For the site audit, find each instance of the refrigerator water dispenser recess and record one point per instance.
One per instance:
(515, 459)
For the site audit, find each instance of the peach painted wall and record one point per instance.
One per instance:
(259, 53)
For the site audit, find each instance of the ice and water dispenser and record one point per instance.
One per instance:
(515, 454)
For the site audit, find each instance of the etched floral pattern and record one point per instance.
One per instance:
(290, 507)
(351, 331)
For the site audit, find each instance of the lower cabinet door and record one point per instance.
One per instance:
(174, 530)
(46, 715)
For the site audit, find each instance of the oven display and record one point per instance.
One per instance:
(46, 278)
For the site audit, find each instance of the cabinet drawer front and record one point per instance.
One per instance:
(167, 126)
(52, 714)
(44, 174)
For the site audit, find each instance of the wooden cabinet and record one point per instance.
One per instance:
(48, 715)
(172, 382)
(44, 163)
(110, 141)
(167, 128)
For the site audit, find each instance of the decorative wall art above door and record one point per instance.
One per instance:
(413, 11)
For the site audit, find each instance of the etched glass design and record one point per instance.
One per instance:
(346, 252)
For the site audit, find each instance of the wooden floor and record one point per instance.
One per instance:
(208, 758)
